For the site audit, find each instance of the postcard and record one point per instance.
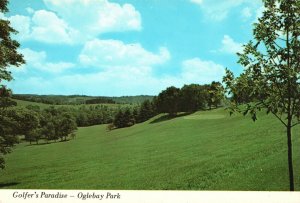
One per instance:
(149, 101)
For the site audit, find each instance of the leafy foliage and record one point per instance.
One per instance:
(9, 56)
(272, 69)
(168, 101)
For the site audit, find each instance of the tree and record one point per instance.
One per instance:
(36, 134)
(48, 131)
(8, 135)
(146, 111)
(241, 92)
(192, 98)
(168, 101)
(66, 125)
(216, 94)
(28, 122)
(124, 118)
(9, 56)
(119, 119)
(272, 64)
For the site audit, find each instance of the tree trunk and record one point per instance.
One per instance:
(290, 157)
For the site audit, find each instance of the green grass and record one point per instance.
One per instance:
(184, 153)
(23, 103)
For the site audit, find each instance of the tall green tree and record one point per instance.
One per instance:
(193, 97)
(28, 122)
(48, 131)
(272, 64)
(168, 101)
(9, 56)
(146, 111)
(66, 125)
(241, 90)
(216, 94)
(124, 118)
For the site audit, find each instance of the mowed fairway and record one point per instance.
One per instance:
(184, 153)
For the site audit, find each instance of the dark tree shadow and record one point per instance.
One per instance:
(4, 185)
(169, 117)
(46, 143)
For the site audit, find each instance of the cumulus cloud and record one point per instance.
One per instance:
(97, 16)
(38, 61)
(218, 10)
(75, 21)
(43, 26)
(107, 53)
(200, 71)
(230, 46)
(47, 27)
(119, 79)
(22, 25)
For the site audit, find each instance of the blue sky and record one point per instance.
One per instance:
(127, 47)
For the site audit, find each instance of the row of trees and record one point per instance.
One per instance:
(80, 99)
(84, 115)
(127, 117)
(50, 124)
(172, 100)
(55, 123)
(189, 98)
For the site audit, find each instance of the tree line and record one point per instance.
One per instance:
(52, 123)
(189, 98)
(80, 99)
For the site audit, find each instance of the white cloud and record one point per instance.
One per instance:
(43, 26)
(29, 10)
(119, 79)
(218, 10)
(107, 53)
(47, 27)
(97, 16)
(246, 13)
(78, 21)
(57, 67)
(229, 46)
(38, 61)
(22, 25)
(199, 71)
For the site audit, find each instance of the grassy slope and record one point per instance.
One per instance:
(211, 151)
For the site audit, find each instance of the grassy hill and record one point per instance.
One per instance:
(203, 151)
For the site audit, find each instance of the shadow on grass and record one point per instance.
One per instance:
(168, 117)
(4, 185)
(47, 143)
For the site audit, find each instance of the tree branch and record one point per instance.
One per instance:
(295, 124)
(279, 118)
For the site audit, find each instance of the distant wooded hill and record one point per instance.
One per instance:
(81, 99)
